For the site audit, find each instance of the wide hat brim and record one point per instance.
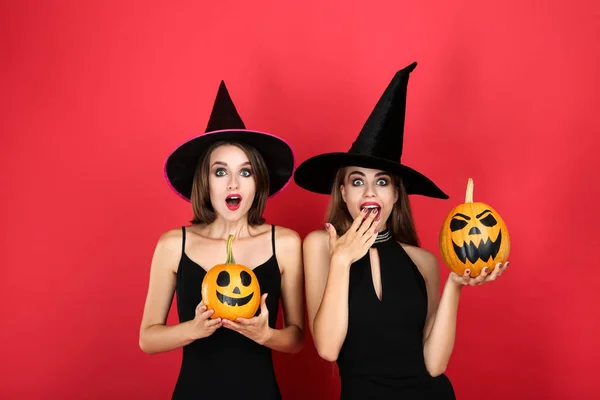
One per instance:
(278, 155)
(317, 174)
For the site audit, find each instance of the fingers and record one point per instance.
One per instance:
(358, 220)
(485, 276)
(263, 304)
(466, 278)
(368, 222)
(369, 237)
(495, 273)
(246, 321)
(214, 323)
(332, 234)
(206, 314)
(200, 308)
(202, 312)
(498, 270)
(481, 278)
(236, 326)
(501, 268)
(371, 234)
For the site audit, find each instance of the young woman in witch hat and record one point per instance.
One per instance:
(372, 292)
(227, 174)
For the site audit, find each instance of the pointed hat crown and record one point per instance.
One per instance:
(224, 115)
(382, 134)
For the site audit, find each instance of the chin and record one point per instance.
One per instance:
(234, 216)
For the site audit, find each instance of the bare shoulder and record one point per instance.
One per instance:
(425, 260)
(287, 239)
(168, 249)
(171, 240)
(317, 241)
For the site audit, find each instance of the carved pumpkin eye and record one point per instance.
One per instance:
(223, 279)
(246, 278)
(489, 220)
(457, 224)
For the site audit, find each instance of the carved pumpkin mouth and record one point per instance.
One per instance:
(485, 250)
(234, 301)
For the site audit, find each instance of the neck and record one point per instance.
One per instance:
(222, 228)
(384, 235)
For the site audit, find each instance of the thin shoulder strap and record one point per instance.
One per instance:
(273, 237)
(183, 241)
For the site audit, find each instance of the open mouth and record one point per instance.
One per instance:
(484, 251)
(233, 201)
(370, 207)
(233, 301)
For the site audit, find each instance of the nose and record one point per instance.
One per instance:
(369, 192)
(236, 290)
(233, 184)
(474, 231)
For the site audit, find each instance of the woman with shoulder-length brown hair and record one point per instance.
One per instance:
(372, 293)
(227, 174)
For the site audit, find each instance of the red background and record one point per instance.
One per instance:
(95, 94)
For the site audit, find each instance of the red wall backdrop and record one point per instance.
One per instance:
(96, 93)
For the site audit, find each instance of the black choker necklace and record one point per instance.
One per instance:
(383, 236)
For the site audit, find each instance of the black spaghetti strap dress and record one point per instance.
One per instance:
(226, 364)
(382, 355)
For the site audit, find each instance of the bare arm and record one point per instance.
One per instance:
(439, 343)
(326, 295)
(440, 328)
(290, 339)
(155, 336)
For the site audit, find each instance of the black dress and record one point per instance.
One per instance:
(382, 355)
(226, 364)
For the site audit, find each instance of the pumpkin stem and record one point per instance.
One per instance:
(230, 259)
(469, 196)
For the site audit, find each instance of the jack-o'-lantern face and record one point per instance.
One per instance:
(474, 236)
(231, 290)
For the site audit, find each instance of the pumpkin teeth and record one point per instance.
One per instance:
(233, 301)
(485, 250)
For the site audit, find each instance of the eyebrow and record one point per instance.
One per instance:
(362, 174)
(356, 173)
(225, 164)
(481, 213)
(462, 215)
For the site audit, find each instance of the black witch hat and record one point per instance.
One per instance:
(378, 146)
(225, 124)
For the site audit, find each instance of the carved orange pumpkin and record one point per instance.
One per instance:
(473, 236)
(231, 289)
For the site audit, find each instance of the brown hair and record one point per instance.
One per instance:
(400, 221)
(202, 208)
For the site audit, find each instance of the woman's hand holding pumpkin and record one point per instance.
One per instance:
(256, 328)
(484, 277)
(355, 243)
(202, 325)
